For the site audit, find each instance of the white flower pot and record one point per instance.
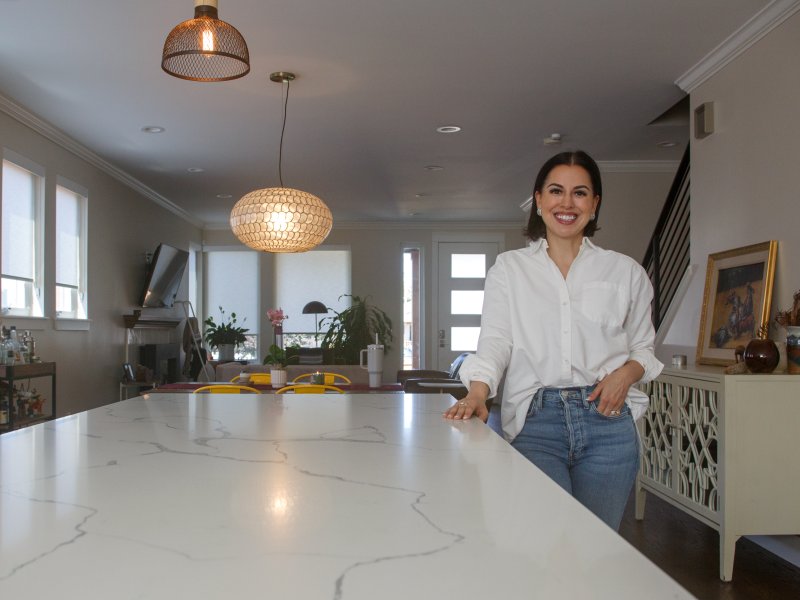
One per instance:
(227, 352)
(278, 377)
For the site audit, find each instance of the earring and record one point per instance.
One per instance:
(591, 218)
(539, 210)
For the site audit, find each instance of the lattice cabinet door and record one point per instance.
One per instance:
(656, 429)
(697, 442)
(680, 435)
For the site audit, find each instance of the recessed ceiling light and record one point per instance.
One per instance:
(434, 168)
(420, 195)
(153, 129)
(666, 144)
(448, 129)
(224, 196)
(195, 170)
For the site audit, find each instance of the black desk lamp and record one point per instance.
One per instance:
(315, 308)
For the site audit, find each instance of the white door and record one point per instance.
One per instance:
(462, 271)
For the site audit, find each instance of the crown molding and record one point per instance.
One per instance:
(764, 21)
(60, 138)
(638, 166)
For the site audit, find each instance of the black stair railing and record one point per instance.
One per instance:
(667, 256)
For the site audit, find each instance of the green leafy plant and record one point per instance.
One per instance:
(227, 331)
(278, 358)
(353, 329)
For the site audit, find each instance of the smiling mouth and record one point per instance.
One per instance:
(566, 219)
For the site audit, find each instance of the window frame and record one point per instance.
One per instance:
(35, 303)
(81, 291)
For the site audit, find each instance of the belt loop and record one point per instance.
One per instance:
(537, 398)
(586, 391)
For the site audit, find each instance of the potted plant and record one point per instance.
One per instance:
(225, 335)
(353, 329)
(790, 319)
(277, 358)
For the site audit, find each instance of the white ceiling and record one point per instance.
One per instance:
(374, 80)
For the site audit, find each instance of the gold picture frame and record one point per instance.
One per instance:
(736, 301)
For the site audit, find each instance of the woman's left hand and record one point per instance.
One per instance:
(611, 391)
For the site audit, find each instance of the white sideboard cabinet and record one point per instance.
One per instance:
(724, 449)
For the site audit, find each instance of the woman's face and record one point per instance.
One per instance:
(567, 201)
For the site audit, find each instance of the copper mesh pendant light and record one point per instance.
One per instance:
(205, 48)
(281, 219)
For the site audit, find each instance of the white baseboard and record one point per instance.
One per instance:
(785, 546)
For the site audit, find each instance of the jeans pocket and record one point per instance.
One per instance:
(624, 412)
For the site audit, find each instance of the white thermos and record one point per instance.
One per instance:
(374, 362)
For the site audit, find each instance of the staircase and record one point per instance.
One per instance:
(667, 256)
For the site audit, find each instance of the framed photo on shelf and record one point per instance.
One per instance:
(736, 301)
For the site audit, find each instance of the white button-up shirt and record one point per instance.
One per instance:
(556, 332)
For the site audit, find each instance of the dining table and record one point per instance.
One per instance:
(333, 496)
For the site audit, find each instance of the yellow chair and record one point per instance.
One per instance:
(330, 378)
(255, 378)
(310, 389)
(226, 388)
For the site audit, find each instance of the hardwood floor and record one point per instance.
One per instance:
(688, 551)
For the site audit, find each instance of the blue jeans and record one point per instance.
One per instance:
(593, 457)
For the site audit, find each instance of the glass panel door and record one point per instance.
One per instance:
(462, 274)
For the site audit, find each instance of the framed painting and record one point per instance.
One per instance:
(736, 301)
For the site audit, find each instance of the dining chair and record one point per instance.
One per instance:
(330, 378)
(260, 378)
(226, 388)
(313, 388)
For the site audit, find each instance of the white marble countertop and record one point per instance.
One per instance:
(364, 496)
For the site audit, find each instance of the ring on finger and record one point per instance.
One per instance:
(615, 413)
(462, 403)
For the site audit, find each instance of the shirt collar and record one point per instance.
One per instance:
(541, 245)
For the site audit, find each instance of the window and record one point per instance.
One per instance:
(232, 283)
(412, 307)
(22, 239)
(71, 287)
(322, 275)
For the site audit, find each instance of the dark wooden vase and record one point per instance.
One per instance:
(761, 356)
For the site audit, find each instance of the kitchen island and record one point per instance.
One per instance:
(295, 496)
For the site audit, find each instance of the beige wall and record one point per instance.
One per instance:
(745, 175)
(632, 202)
(123, 225)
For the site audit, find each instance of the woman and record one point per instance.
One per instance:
(571, 323)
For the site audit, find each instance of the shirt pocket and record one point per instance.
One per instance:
(603, 302)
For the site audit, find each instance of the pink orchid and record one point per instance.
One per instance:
(276, 316)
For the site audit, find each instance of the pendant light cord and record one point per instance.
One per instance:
(283, 129)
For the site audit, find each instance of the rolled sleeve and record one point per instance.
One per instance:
(639, 327)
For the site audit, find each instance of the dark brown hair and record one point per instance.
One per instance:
(536, 228)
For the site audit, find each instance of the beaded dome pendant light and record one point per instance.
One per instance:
(281, 219)
(205, 48)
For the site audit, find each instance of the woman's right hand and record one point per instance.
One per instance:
(473, 404)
